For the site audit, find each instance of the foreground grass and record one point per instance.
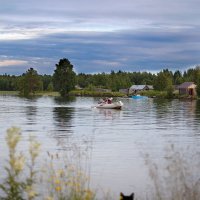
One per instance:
(178, 179)
(63, 178)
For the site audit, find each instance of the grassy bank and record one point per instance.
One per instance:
(72, 93)
(154, 93)
(39, 93)
(88, 93)
(95, 93)
(164, 95)
(46, 93)
(14, 93)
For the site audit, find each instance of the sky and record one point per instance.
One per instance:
(99, 36)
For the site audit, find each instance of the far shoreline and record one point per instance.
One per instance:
(87, 93)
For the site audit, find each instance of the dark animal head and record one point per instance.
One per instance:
(123, 197)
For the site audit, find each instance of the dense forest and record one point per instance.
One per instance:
(113, 80)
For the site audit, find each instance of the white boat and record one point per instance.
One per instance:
(113, 105)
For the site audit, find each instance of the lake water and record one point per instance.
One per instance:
(119, 139)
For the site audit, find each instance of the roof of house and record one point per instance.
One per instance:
(185, 85)
(137, 87)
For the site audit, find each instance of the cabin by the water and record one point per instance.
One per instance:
(187, 88)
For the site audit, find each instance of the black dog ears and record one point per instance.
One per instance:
(123, 197)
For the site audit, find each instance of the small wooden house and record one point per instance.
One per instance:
(136, 88)
(187, 88)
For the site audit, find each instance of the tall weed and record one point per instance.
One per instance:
(63, 176)
(180, 178)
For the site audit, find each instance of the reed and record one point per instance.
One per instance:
(179, 179)
(61, 178)
(15, 186)
(66, 175)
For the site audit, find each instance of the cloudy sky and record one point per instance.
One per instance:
(99, 36)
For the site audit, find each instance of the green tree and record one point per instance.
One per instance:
(197, 80)
(7, 82)
(64, 77)
(29, 82)
(177, 77)
(198, 87)
(163, 81)
(50, 87)
(46, 79)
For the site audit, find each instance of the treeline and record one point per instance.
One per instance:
(120, 79)
(115, 80)
(11, 83)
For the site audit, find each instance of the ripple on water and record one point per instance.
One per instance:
(119, 138)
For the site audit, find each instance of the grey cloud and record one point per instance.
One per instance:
(171, 11)
(101, 35)
(106, 51)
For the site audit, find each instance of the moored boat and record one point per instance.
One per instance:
(138, 96)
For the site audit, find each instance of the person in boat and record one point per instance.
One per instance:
(109, 100)
(105, 100)
(101, 101)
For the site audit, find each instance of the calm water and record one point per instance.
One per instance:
(119, 139)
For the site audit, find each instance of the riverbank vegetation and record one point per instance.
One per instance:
(154, 93)
(93, 93)
(64, 80)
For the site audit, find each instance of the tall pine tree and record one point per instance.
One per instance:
(64, 77)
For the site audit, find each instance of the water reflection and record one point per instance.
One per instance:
(31, 114)
(63, 122)
(108, 113)
(64, 100)
(29, 99)
(197, 110)
(62, 118)
(197, 115)
(162, 107)
(62, 114)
